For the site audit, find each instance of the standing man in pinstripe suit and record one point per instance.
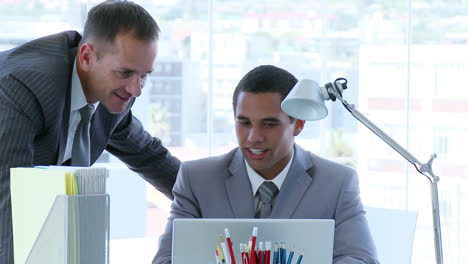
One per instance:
(45, 82)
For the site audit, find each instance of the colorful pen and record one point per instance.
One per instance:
(267, 252)
(275, 255)
(283, 249)
(252, 248)
(291, 254)
(220, 254)
(246, 254)
(260, 253)
(241, 246)
(218, 260)
(225, 252)
(229, 242)
(300, 257)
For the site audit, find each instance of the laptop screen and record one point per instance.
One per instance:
(197, 240)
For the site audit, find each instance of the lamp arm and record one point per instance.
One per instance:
(423, 168)
(381, 134)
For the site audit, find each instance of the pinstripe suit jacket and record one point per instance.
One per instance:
(314, 188)
(35, 84)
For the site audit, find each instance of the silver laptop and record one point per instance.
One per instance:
(195, 240)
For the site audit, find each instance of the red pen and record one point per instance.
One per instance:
(229, 242)
(260, 253)
(267, 252)
(243, 257)
(246, 254)
(252, 259)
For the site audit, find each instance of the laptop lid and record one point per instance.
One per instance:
(195, 240)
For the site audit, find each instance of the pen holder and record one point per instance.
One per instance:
(76, 231)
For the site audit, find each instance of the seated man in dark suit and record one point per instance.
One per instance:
(65, 98)
(267, 161)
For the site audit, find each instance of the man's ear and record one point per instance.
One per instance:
(86, 56)
(298, 126)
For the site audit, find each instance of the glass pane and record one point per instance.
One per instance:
(438, 122)
(26, 20)
(174, 106)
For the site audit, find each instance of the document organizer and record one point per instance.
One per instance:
(76, 231)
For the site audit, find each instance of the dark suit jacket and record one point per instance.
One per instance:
(314, 188)
(35, 85)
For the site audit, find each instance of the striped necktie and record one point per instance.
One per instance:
(267, 192)
(81, 142)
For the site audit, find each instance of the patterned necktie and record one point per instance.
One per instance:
(267, 192)
(81, 142)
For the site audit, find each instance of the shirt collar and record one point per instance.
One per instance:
(256, 180)
(78, 99)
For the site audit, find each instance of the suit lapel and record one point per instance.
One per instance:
(64, 132)
(295, 185)
(66, 111)
(239, 189)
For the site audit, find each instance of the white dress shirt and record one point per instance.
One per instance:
(78, 100)
(256, 180)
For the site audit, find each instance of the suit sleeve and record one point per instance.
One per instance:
(144, 154)
(185, 205)
(353, 241)
(20, 122)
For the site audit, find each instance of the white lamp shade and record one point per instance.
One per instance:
(305, 101)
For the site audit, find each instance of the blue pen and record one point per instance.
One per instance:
(281, 253)
(283, 260)
(291, 254)
(300, 258)
(275, 255)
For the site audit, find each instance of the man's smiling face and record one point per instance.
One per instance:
(264, 132)
(116, 72)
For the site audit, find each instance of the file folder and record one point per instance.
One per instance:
(36, 195)
(76, 231)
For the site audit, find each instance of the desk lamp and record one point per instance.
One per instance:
(306, 102)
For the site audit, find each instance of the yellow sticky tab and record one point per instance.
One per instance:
(71, 185)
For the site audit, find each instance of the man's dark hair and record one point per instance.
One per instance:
(111, 17)
(265, 79)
